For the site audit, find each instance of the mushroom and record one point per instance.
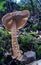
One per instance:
(14, 21)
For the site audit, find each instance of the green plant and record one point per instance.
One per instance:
(2, 8)
(1, 51)
(2, 57)
(34, 27)
(5, 39)
(33, 34)
(39, 52)
(37, 49)
(24, 40)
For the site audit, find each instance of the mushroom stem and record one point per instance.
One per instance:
(15, 47)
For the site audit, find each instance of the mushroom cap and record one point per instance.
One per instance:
(19, 17)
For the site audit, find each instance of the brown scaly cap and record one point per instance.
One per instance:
(20, 17)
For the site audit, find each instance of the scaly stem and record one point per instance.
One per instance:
(15, 46)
